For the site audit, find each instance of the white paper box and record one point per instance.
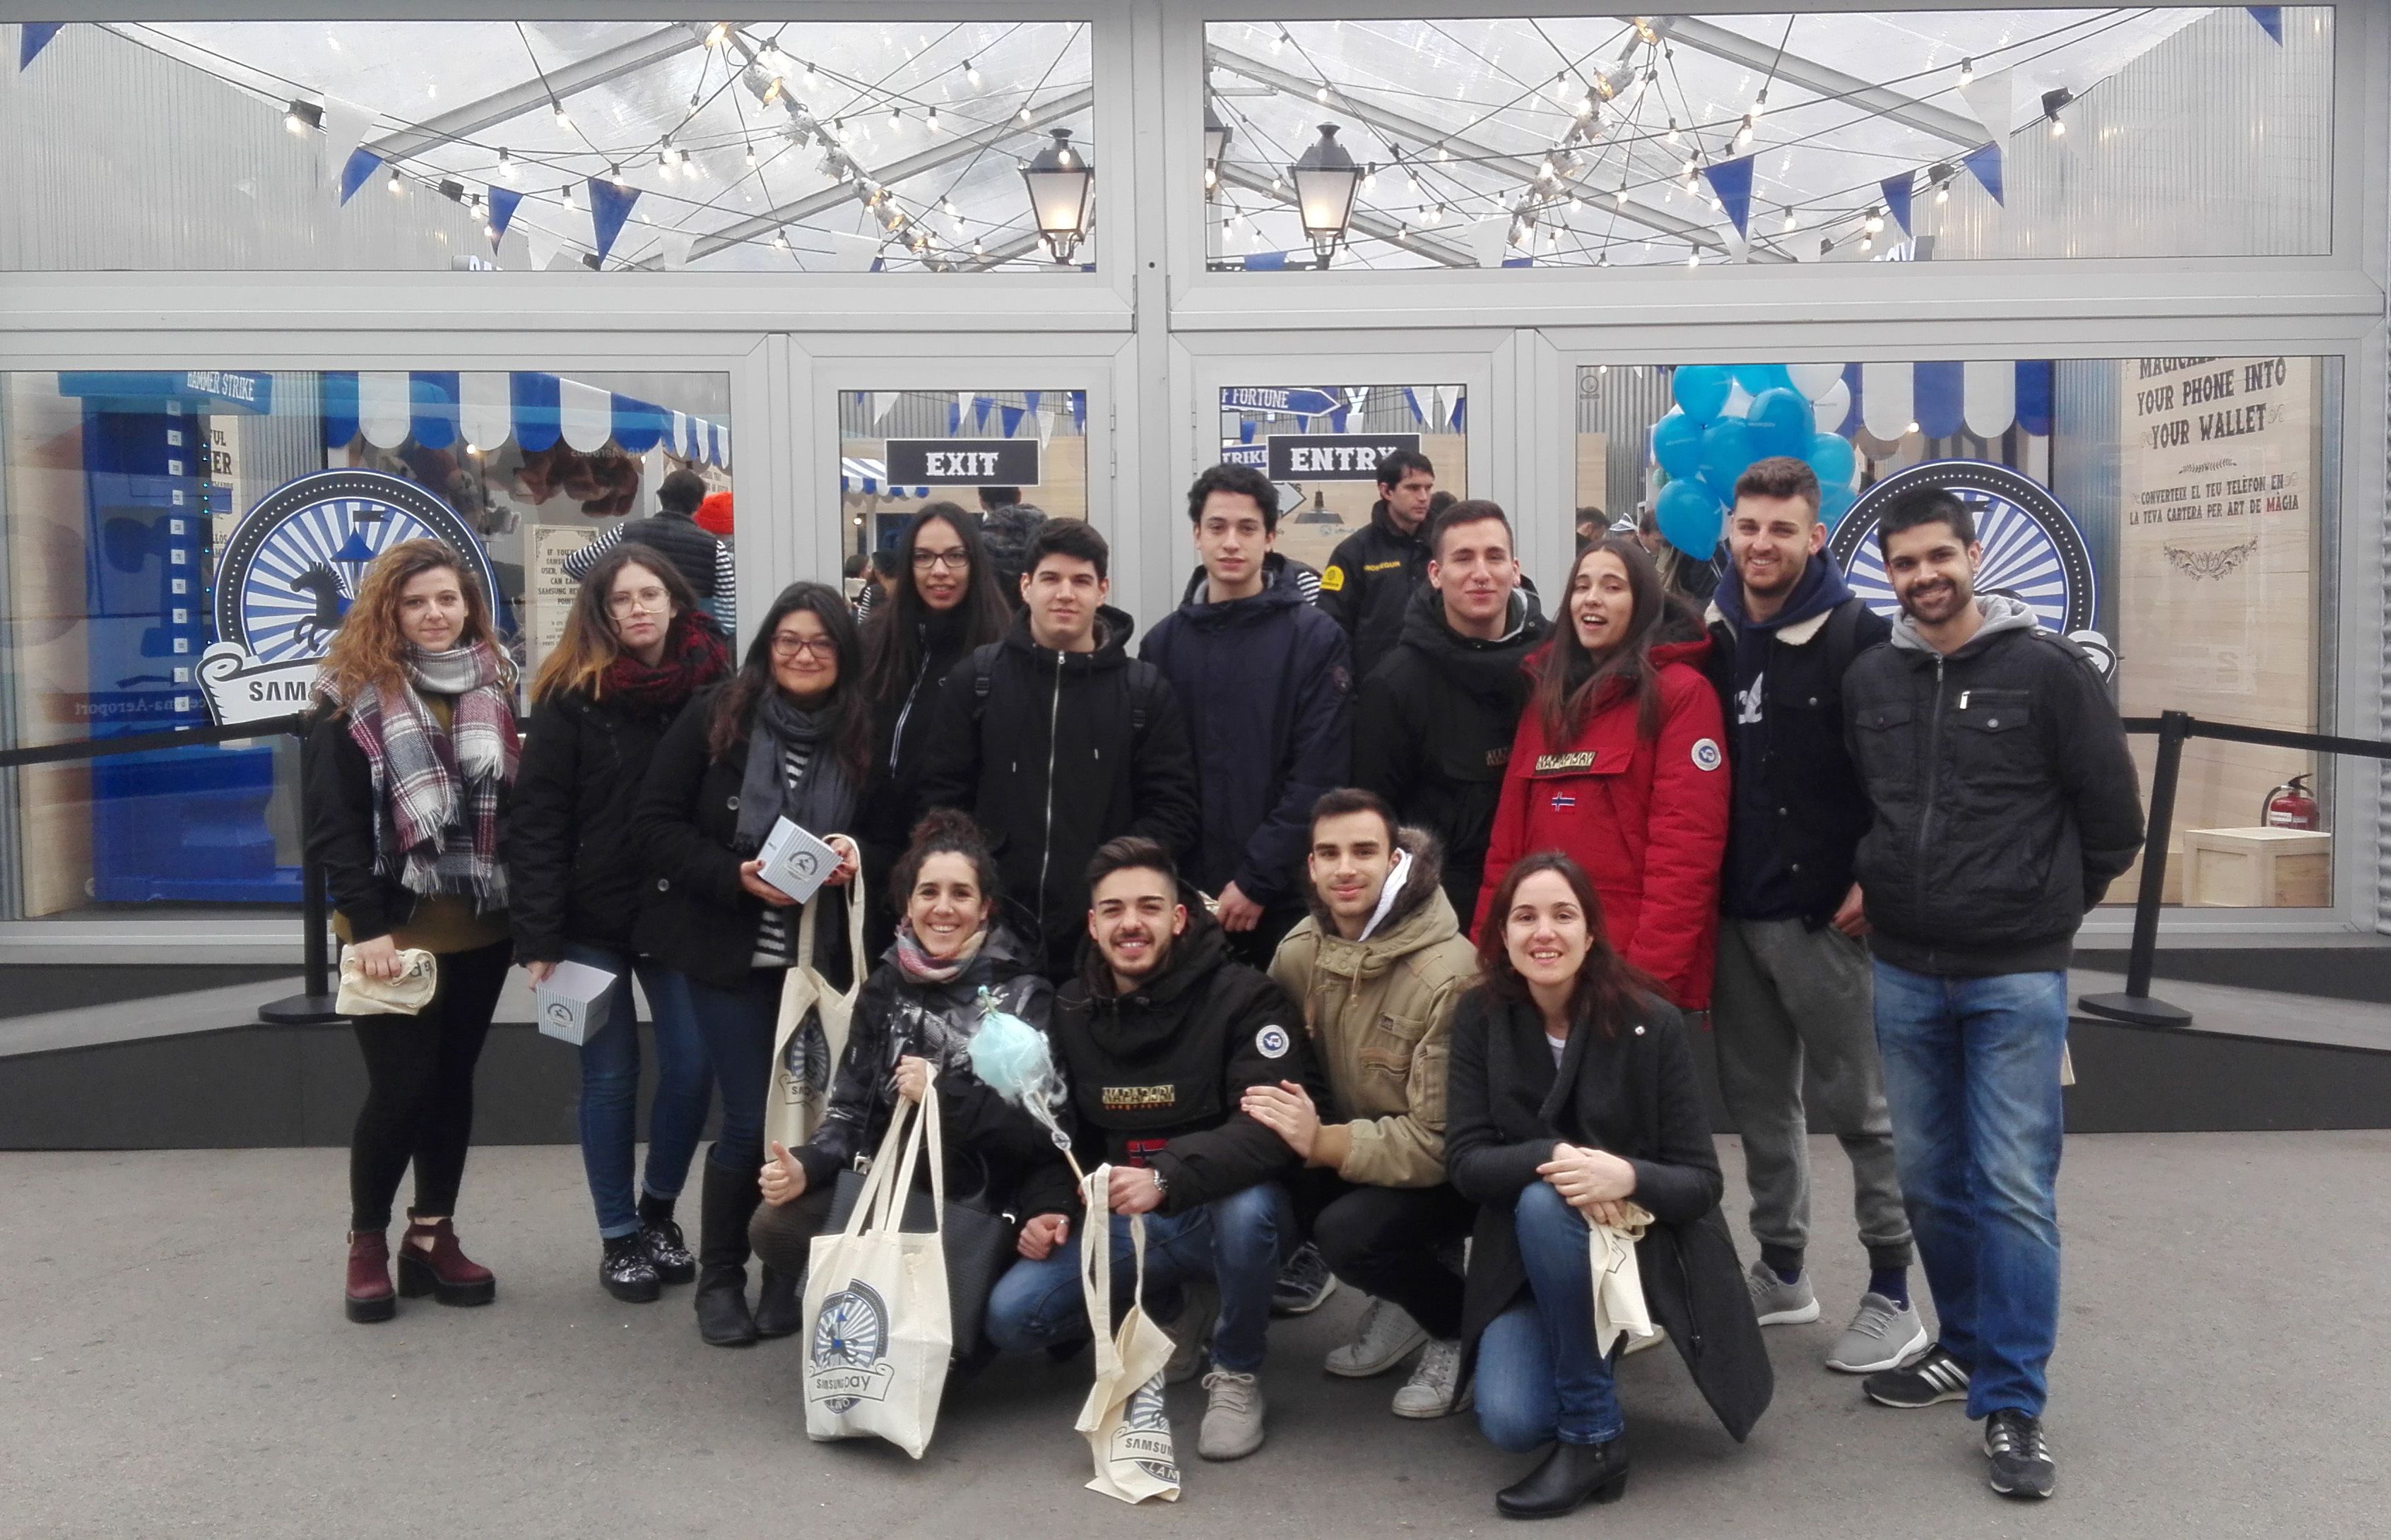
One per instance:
(572, 1006)
(794, 861)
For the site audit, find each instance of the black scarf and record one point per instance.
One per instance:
(823, 802)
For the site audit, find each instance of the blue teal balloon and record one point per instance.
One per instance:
(1677, 445)
(1727, 449)
(1781, 422)
(1688, 514)
(1701, 389)
(1760, 379)
(1833, 503)
(1833, 458)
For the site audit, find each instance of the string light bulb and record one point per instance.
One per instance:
(1875, 220)
(812, 81)
(718, 35)
(1321, 96)
(896, 117)
(970, 74)
(1967, 72)
(1673, 131)
(568, 197)
(1943, 192)
(397, 187)
(563, 119)
(507, 167)
(1281, 41)
(1024, 114)
(751, 153)
(781, 240)
(1693, 256)
(930, 119)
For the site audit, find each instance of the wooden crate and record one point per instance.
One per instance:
(2257, 868)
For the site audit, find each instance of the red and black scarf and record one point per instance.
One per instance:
(695, 655)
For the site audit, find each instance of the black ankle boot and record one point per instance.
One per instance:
(1571, 1474)
(667, 1247)
(728, 1198)
(779, 1312)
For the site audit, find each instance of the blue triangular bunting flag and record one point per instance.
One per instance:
(362, 164)
(980, 404)
(1010, 417)
(1460, 410)
(1079, 411)
(1411, 399)
(502, 211)
(1896, 199)
(2269, 16)
(955, 419)
(1246, 430)
(1984, 165)
(1030, 399)
(609, 206)
(34, 36)
(1731, 180)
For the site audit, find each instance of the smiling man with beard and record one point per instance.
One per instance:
(2004, 805)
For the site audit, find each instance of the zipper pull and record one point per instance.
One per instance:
(1963, 698)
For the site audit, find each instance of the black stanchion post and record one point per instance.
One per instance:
(316, 1006)
(2136, 1005)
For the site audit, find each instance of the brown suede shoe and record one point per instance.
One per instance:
(443, 1271)
(370, 1297)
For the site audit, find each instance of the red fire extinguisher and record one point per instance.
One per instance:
(2289, 806)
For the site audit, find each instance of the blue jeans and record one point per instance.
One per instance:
(737, 1027)
(1242, 1239)
(1539, 1378)
(1971, 1073)
(610, 1089)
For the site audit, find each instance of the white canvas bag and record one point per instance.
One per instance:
(805, 1058)
(1619, 1308)
(878, 1328)
(1124, 1419)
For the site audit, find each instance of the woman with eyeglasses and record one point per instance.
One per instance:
(636, 647)
(947, 602)
(788, 735)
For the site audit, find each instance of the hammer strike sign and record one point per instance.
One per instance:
(963, 462)
(1333, 456)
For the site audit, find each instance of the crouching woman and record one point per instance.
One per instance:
(1572, 1096)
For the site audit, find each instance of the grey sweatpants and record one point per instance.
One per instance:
(1786, 994)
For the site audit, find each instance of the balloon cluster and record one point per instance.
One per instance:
(1724, 418)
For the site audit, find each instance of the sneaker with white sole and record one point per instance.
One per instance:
(1381, 1339)
(1436, 1388)
(2021, 1465)
(1882, 1335)
(1778, 1303)
(1304, 1284)
(1934, 1375)
(1233, 1415)
(1191, 1329)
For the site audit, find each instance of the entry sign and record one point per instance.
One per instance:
(1332, 457)
(963, 462)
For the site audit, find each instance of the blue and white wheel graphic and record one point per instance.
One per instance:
(851, 1332)
(2032, 550)
(285, 578)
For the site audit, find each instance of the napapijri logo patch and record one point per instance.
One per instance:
(1560, 764)
(1498, 758)
(1126, 1097)
(1272, 1043)
(1706, 756)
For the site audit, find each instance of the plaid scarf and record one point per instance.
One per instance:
(694, 658)
(441, 790)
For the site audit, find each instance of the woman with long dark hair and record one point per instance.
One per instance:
(636, 647)
(788, 735)
(1620, 760)
(1573, 1102)
(947, 602)
(409, 764)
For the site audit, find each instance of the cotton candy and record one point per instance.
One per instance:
(1012, 1058)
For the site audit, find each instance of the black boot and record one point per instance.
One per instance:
(1571, 1474)
(667, 1247)
(779, 1312)
(730, 1197)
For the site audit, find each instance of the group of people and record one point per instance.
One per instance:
(1368, 915)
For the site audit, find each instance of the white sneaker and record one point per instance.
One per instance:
(1434, 1389)
(1384, 1335)
(1233, 1415)
(1881, 1335)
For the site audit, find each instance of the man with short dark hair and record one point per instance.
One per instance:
(1369, 580)
(1006, 527)
(1377, 966)
(1160, 1036)
(1433, 730)
(1263, 678)
(672, 532)
(2005, 804)
(1791, 991)
(1057, 740)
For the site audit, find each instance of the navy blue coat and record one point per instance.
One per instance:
(1268, 687)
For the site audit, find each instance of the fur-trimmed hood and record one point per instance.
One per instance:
(1421, 877)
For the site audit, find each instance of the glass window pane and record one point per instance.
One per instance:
(1833, 136)
(781, 146)
(900, 452)
(1322, 445)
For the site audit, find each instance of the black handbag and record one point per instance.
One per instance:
(978, 1243)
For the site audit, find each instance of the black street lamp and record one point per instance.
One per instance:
(1325, 180)
(1062, 184)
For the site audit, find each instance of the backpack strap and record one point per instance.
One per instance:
(1843, 639)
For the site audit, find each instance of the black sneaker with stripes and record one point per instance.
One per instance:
(1934, 1375)
(2021, 1465)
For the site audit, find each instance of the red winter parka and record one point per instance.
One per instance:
(1646, 818)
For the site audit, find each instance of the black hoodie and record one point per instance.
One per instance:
(1433, 731)
(1369, 582)
(1056, 753)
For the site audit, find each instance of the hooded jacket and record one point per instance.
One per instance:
(1376, 1011)
(1056, 753)
(1433, 728)
(2004, 800)
(1369, 584)
(1646, 817)
(1268, 694)
(1157, 1075)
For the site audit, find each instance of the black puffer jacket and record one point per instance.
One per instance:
(1433, 731)
(1631, 1092)
(1156, 1076)
(1055, 754)
(2004, 800)
(992, 1146)
(1369, 584)
(900, 738)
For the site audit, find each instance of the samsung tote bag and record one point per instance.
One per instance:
(1124, 1419)
(878, 1332)
(812, 1030)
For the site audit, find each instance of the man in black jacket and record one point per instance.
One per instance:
(1161, 1038)
(1264, 680)
(1368, 583)
(672, 530)
(1434, 727)
(2004, 806)
(1057, 740)
(1791, 988)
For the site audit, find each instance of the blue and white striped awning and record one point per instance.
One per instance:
(871, 475)
(437, 407)
(1986, 397)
